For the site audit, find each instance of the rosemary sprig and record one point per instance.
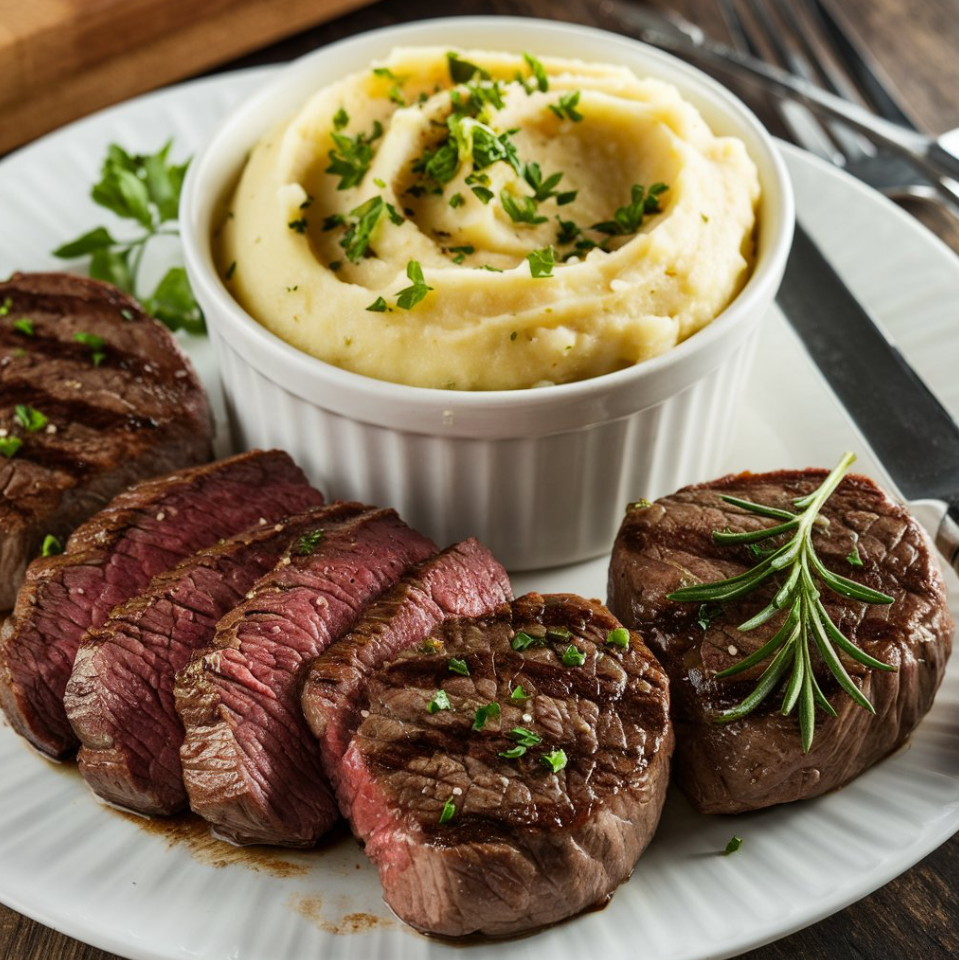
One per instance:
(806, 617)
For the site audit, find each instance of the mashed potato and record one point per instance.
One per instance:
(485, 221)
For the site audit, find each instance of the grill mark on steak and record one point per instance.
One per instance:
(120, 696)
(141, 413)
(463, 580)
(758, 761)
(113, 556)
(250, 764)
(527, 847)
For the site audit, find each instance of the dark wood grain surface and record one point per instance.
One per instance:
(916, 915)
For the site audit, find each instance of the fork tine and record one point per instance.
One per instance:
(877, 90)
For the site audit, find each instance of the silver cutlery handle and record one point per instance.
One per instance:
(942, 521)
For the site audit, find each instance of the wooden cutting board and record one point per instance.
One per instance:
(62, 59)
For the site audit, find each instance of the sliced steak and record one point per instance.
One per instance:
(468, 840)
(758, 761)
(120, 696)
(464, 580)
(114, 556)
(118, 409)
(250, 764)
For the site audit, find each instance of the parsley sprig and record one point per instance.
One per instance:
(806, 618)
(146, 190)
(351, 157)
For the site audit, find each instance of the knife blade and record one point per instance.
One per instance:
(912, 434)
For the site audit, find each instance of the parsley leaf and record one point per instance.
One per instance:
(439, 701)
(541, 262)
(572, 656)
(734, 844)
(25, 326)
(566, 107)
(538, 72)
(51, 546)
(356, 240)
(448, 812)
(352, 156)
(30, 418)
(484, 713)
(514, 753)
(410, 296)
(521, 209)
(462, 71)
(307, 544)
(378, 306)
(340, 119)
(524, 737)
(9, 446)
(629, 218)
(555, 760)
(542, 189)
(459, 666)
(618, 638)
(519, 693)
(853, 559)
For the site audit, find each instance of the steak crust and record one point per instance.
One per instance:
(250, 764)
(758, 761)
(138, 412)
(113, 556)
(120, 696)
(523, 846)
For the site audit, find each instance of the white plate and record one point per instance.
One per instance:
(99, 876)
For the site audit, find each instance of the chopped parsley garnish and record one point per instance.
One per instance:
(299, 225)
(641, 504)
(572, 657)
(558, 633)
(462, 71)
(340, 119)
(542, 189)
(514, 753)
(449, 811)
(440, 164)
(566, 107)
(734, 844)
(5, 306)
(230, 270)
(555, 760)
(410, 296)
(538, 72)
(457, 200)
(378, 306)
(513, 335)
(335, 265)
(618, 638)
(307, 544)
(629, 219)
(568, 231)
(440, 701)
(396, 96)
(333, 221)
(461, 252)
(484, 713)
(707, 613)
(9, 446)
(490, 267)
(459, 666)
(24, 326)
(521, 209)
(51, 546)
(385, 72)
(519, 693)
(853, 559)
(522, 640)
(30, 418)
(95, 343)
(356, 240)
(541, 262)
(524, 737)
(351, 157)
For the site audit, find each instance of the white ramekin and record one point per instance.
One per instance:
(541, 476)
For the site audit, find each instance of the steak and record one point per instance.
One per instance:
(113, 556)
(758, 760)
(250, 764)
(122, 405)
(464, 580)
(474, 830)
(120, 696)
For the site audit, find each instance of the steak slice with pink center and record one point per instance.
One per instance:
(113, 556)
(251, 766)
(120, 695)
(523, 791)
(464, 580)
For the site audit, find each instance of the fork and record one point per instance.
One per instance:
(845, 71)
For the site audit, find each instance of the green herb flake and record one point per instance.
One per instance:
(307, 544)
(30, 418)
(448, 812)
(519, 693)
(462, 71)
(523, 640)
(410, 296)
(565, 109)
(459, 666)
(91, 340)
(572, 656)
(378, 306)
(335, 265)
(340, 119)
(491, 710)
(514, 753)
(396, 96)
(538, 71)
(629, 218)
(385, 72)
(618, 638)
(541, 262)
(356, 240)
(564, 198)
(707, 613)
(9, 446)
(5, 306)
(439, 701)
(51, 546)
(734, 844)
(457, 200)
(299, 225)
(521, 209)
(461, 252)
(230, 270)
(555, 760)
(558, 633)
(24, 326)
(853, 558)
(351, 156)
(524, 737)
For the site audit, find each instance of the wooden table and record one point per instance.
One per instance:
(917, 915)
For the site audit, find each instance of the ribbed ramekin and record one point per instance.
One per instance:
(542, 475)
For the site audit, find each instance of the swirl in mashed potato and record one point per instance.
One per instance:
(485, 221)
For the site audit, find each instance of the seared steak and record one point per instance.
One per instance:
(464, 580)
(113, 556)
(120, 696)
(474, 830)
(116, 411)
(250, 764)
(758, 761)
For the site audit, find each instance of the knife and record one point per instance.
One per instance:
(910, 431)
